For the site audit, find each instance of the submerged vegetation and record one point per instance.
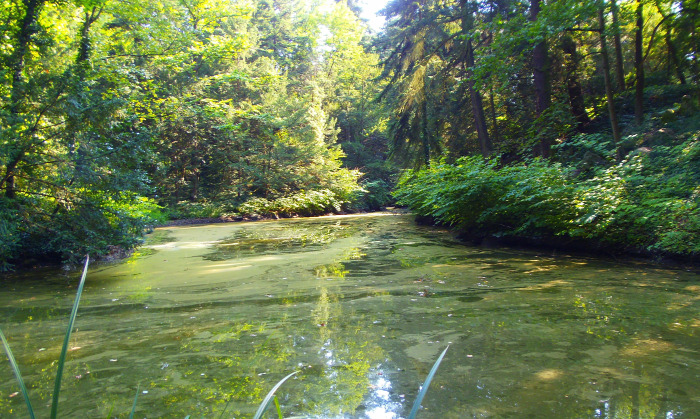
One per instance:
(264, 405)
(116, 116)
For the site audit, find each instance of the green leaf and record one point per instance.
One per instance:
(424, 387)
(66, 341)
(133, 406)
(266, 402)
(18, 375)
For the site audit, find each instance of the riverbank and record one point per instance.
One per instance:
(646, 204)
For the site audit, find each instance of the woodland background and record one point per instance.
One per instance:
(557, 121)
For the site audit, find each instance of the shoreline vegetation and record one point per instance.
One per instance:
(500, 120)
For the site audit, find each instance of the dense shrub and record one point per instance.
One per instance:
(477, 196)
(650, 201)
(373, 196)
(305, 203)
(203, 209)
(95, 224)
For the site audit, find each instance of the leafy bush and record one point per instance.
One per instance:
(305, 203)
(478, 197)
(203, 209)
(650, 201)
(373, 196)
(9, 231)
(93, 222)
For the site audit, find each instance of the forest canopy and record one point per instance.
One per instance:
(115, 116)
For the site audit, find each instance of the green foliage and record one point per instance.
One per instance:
(189, 209)
(207, 105)
(373, 196)
(10, 224)
(61, 358)
(650, 201)
(305, 203)
(426, 384)
(477, 196)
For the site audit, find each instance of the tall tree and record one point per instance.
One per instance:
(22, 138)
(540, 68)
(619, 62)
(573, 84)
(606, 75)
(476, 102)
(639, 64)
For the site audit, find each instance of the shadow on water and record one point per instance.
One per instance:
(213, 316)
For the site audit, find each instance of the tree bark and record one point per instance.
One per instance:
(540, 68)
(619, 62)
(576, 100)
(494, 128)
(85, 41)
(639, 66)
(425, 132)
(17, 64)
(608, 83)
(477, 105)
(482, 132)
(24, 38)
(673, 56)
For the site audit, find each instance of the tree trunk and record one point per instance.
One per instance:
(619, 62)
(608, 82)
(425, 134)
(24, 37)
(494, 129)
(696, 47)
(540, 68)
(673, 56)
(639, 67)
(576, 100)
(477, 105)
(17, 64)
(85, 41)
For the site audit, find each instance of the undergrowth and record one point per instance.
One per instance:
(650, 201)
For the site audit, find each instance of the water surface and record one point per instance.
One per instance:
(206, 319)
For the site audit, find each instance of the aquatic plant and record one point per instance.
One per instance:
(61, 358)
(426, 383)
(269, 398)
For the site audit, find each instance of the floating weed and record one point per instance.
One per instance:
(258, 415)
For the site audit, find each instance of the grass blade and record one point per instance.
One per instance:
(133, 406)
(270, 395)
(279, 409)
(66, 341)
(225, 408)
(424, 388)
(18, 375)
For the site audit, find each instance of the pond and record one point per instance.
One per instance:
(205, 320)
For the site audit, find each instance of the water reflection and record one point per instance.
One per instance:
(207, 319)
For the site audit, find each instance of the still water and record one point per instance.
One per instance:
(205, 320)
